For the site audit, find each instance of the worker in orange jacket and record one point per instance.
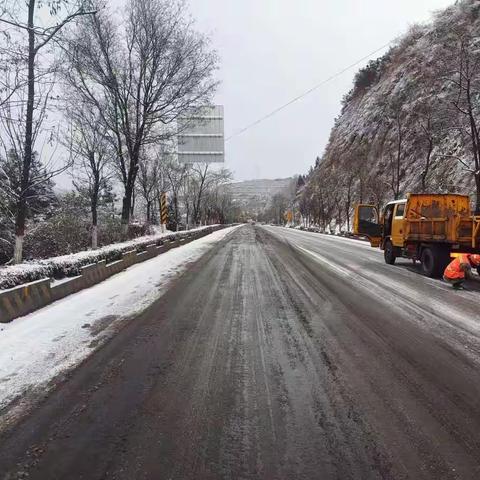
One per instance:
(460, 269)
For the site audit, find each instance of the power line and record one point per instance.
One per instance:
(308, 92)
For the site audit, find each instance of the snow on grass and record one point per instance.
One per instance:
(37, 347)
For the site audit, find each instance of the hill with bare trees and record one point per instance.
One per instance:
(254, 196)
(409, 124)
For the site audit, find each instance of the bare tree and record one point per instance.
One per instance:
(278, 208)
(428, 115)
(361, 168)
(377, 191)
(42, 168)
(141, 78)
(188, 196)
(217, 197)
(348, 187)
(92, 153)
(149, 183)
(460, 66)
(395, 145)
(38, 37)
(425, 119)
(174, 174)
(10, 67)
(199, 182)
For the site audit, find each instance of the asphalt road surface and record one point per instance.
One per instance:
(279, 355)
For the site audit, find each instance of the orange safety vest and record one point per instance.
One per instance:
(454, 270)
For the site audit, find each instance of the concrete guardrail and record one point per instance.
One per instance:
(24, 299)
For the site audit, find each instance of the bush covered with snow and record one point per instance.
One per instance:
(59, 235)
(70, 265)
(65, 233)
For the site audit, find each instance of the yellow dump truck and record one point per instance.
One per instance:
(423, 227)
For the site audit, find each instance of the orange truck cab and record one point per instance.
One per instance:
(425, 227)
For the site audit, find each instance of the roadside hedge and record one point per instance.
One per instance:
(70, 265)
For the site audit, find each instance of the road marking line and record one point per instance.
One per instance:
(342, 271)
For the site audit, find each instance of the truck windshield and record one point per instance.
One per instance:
(367, 214)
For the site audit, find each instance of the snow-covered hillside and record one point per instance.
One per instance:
(253, 196)
(406, 126)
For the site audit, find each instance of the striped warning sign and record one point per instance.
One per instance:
(164, 208)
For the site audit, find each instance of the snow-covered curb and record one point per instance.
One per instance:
(70, 265)
(362, 242)
(36, 348)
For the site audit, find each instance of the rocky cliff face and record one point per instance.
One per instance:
(410, 122)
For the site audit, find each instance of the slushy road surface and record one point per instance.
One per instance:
(278, 355)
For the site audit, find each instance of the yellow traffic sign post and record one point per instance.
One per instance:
(163, 211)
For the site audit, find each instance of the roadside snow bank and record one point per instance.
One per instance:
(70, 265)
(36, 348)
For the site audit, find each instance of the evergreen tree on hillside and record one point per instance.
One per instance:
(41, 199)
(40, 196)
(300, 182)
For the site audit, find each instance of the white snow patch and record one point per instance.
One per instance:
(37, 347)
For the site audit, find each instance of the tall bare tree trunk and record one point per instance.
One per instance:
(477, 193)
(126, 208)
(94, 225)
(128, 203)
(399, 157)
(149, 212)
(475, 146)
(21, 216)
(427, 166)
(94, 237)
(175, 208)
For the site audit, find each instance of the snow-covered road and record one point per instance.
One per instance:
(36, 348)
(279, 354)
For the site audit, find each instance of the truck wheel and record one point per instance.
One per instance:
(389, 253)
(434, 261)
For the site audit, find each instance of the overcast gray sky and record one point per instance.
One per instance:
(274, 50)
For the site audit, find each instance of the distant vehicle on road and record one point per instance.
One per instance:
(424, 227)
